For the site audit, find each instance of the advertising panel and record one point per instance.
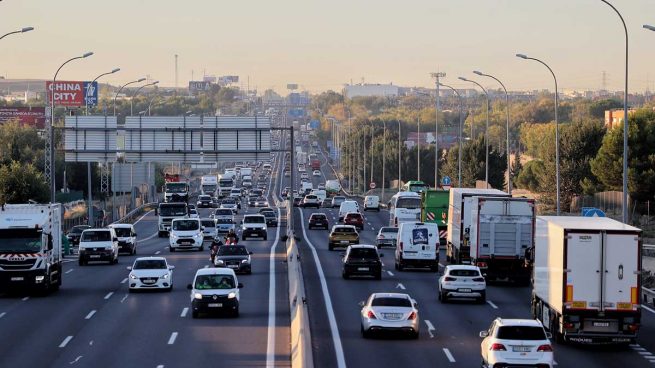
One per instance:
(72, 93)
(228, 79)
(32, 116)
(199, 86)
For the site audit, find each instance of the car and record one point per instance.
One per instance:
(185, 234)
(209, 228)
(311, 200)
(347, 207)
(362, 260)
(321, 194)
(304, 175)
(462, 281)
(75, 233)
(327, 203)
(246, 183)
(148, 273)
(301, 168)
(297, 201)
(372, 202)
(342, 235)
(321, 186)
(337, 201)
(204, 201)
(354, 218)
(258, 202)
(230, 203)
(236, 257)
(254, 225)
(516, 342)
(224, 225)
(316, 173)
(387, 236)
(235, 193)
(222, 213)
(98, 245)
(214, 290)
(191, 206)
(389, 312)
(271, 218)
(193, 214)
(126, 237)
(287, 173)
(318, 219)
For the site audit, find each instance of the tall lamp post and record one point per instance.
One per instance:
(98, 77)
(123, 86)
(486, 133)
(459, 151)
(384, 152)
(436, 76)
(50, 144)
(137, 92)
(509, 176)
(525, 57)
(22, 30)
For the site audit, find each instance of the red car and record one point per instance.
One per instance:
(355, 219)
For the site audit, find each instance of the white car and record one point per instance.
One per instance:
(462, 281)
(316, 173)
(209, 228)
(185, 234)
(389, 312)
(213, 290)
(520, 342)
(193, 213)
(254, 225)
(150, 273)
(304, 176)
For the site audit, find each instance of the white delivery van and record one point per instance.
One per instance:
(186, 234)
(417, 245)
(98, 245)
(372, 202)
(347, 206)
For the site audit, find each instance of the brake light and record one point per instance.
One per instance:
(481, 264)
(401, 245)
(545, 348)
(497, 347)
(411, 316)
(478, 279)
(633, 327)
(371, 315)
(568, 325)
(448, 278)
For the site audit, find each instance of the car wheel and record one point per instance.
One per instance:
(444, 297)
(265, 237)
(194, 314)
(331, 247)
(202, 247)
(130, 290)
(235, 313)
(170, 288)
(134, 250)
(415, 335)
(365, 334)
(401, 267)
(243, 237)
(378, 276)
(80, 262)
(171, 249)
(345, 275)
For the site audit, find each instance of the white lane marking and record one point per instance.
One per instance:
(160, 366)
(148, 238)
(141, 218)
(206, 266)
(336, 339)
(390, 273)
(88, 316)
(638, 348)
(3, 314)
(124, 280)
(158, 252)
(109, 294)
(25, 298)
(270, 345)
(494, 306)
(171, 340)
(430, 328)
(400, 286)
(69, 271)
(66, 341)
(645, 353)
(449, 355)
(184, 312)
(91, 343)
(648, 309)
(125, 297)
(76, 360)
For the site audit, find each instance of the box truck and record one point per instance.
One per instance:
(587, 278)
(434, 209)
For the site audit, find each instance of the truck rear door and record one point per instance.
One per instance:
(621, 271)
(584, 258)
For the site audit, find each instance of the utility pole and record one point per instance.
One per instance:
(436, 76)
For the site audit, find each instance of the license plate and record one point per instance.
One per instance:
(215, 305)
(17, 278)
(521, 349)
(95, 256)
(186, 243)
(149, 281)
(464, 290)
(601, 324)
(345, 242)
(362, 268)
(392, 315)
(233, 266)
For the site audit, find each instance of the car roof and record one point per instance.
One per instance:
(518, 322)
(253, 215)
(215, 271)
(153, 258)
(463, 267)
(121, 226)
(98, 229)
(318, 214)
(186, 219)
(353, 213)
(340, 226)
(362, 246)
(391, 295)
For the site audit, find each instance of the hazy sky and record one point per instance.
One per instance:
(323, 44)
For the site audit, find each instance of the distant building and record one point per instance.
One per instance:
(371, 90)
(615, 117)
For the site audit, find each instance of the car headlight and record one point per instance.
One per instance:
(108, 248)
(245, 261)
(232, 295)
(165, 276)
(173, 236)
(197, 296)
(220, 262)
(132, 276)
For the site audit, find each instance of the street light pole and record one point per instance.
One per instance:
(384, 152)
(22, 30)
(557, 181)
(436, 76)
(459, 150)
(399, 157)
(136, 92)
(486, 133)
(123, 86)
(418, 149)
(509, 176)
(98, 77)
(50, 144)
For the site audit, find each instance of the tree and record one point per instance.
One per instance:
(517, 166)
(529, 176)
(473, 160)
(20, 182)
(597, 109)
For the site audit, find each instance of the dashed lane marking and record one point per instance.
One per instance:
(184, 312)
(494, 306)
(400, 286)
(76, 360)
(124, 280)
(449, 355)
(160, 366)
(124, 298)
(3, 314)
(69, 271)
(109, 294)
(88, 316)
(25, 298)
(158, 252)
(648, 309)
(430, 328)
(390, 273)
(66, 341)
(171, 340)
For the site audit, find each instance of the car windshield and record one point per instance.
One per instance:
(172, 210)
(363, 253)
(228, 201)
(254, 219)
(96, 236)
(223, 212)
(390, 302)
(269, 214)
(338, 199)
(233, 250)
(205, 198)
(318, 217)
(206, 282)
(393, 230)
(311, 197)
(520, 333)
(208, 223)
(149, 264)
(123, 232)
(410, 203)
(79, 229)
(260, 199)
(464, 273)
(185, 225)
(20, 240)
(176, 187)
(418, 187)
(223, 221)
(344, 230)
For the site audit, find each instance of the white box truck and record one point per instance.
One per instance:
(208, 184)
(460, 214)
(30, 247)
(500, 236)
(587, 278)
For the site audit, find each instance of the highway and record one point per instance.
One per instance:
(449, 332)
(94, 322)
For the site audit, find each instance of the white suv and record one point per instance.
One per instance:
(98, 245)
(253, 225)
(186, 234)
(462, 281)
(521, 342)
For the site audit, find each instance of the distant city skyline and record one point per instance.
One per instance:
(323, 46)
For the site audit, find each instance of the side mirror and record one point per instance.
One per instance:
(202, 228)
(115, 239)
(129, 268)
(156, 211)
(251, 253)
(415, 305)
(381, 255)
(134, 235)
(361, 304)
(171, 267)
(189, 286)
(549, 335)
(240, 286)
(484, 334)
(343, 254)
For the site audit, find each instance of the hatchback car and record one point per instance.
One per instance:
(355, 219)
(311, 200)
(204, 201)
(318, 220)
(516, 342)
(362, 260)
(392, 312)
(462, 281)
(236, 257)
(387, 236)
(149, 273)
(342, 235)
(316, 173)
(214, 290)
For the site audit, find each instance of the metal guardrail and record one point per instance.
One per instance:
(137, 212)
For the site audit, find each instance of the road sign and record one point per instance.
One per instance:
(446, 181)
(592, 212)
(372, 185)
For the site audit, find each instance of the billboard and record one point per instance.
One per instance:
(199, 86)
(32, 116)
(228, 79)
(209, 78)
(73, 94)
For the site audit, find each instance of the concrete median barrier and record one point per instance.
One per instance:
(301, 348)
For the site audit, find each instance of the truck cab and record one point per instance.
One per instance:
(167, 212)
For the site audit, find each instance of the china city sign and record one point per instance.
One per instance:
(73, 94)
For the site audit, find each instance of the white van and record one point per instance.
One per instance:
(321, 194)
(372, 202)
(186, 234)
(98, 245)
(126, 237)
(417, 245)
(347, 206)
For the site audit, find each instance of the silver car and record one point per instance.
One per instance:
(387, 237)
(209, 228)
(394, 312)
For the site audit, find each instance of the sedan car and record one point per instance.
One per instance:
(258, 202)
(150, 273)
(392, 312)
(516, 342)
(362, 260)
(204, 201)
(387, 236)
(75, 233)
(236, 257)
(316, 173)
(271, 218)
(318, 219)
(462, 281)
(355, 219)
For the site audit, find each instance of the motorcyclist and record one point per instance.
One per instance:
(231, 238)
(216, 243)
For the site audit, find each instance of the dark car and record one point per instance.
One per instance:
(355, 219)
(327, 203)
(271, 218)
(236, 257)
(318, 220)
(204, 201)
(362, 260)
(75, 233)
(297, 201)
